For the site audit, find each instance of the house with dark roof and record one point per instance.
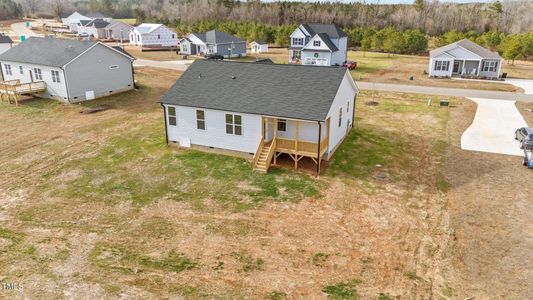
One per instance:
(5, 43)
(258, 46)
(74, 20)
(213, 42)
(318, 45)
(260, 111)
(464, 58)
(148, 35)
(70, 70)
(95, 28)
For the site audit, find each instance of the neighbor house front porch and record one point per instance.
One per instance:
(466, 67)
(296, 138)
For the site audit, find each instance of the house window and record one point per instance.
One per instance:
(200, 119)
(282, 125)
(316, 43)
(348, 106)
(55, 76)
(172, 35)
(297, 41)
(8, 69)
(172, 118)
(184, 48)
(21, 70)
(158, 36)
(233, 124)
(442, 65)
(490, 66)
(340, 117)
(38, 74)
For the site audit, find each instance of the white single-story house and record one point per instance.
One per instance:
(118, 31)
(5, 43)
(153, 35)
(260, 110)
(213, 42)
(70, 70)
(258, 46)
(464, 58)
(318, 45)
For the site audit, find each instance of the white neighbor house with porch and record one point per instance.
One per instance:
(260, 111)
(464, 58)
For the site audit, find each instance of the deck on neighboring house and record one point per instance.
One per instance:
(268, 152)
(12, 90)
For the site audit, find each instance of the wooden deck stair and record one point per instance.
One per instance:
(13, 89)
(263, 156)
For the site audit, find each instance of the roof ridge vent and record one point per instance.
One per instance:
(200, 75)
(233, 77)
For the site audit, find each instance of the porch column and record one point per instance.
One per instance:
(296, 144)
(318, 148)
(479, 67)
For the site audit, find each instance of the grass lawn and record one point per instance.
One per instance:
(127, 21)
(98, 206)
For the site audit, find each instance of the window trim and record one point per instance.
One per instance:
(297, 41)
(38, 73)
(489, 66)
(200, 120)
(316, 43)
(7, 68)
(172, 116)
(232, 124)
(442, 65)
(340, 116)
(282, 125)
(21, 70)
(55, 76)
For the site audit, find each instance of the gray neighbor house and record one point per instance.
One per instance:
(70, 70)
(213, 42)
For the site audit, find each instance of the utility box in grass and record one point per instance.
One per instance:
(22, 38)
(444, 102)
(28, 24)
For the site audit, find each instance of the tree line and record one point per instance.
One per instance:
(10, 9)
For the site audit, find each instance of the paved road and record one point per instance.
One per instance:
(405, 88)
(180, 65)
(493, 128)
(21, 29)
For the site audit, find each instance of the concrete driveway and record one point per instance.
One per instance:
(525, 84)
(493, 128)
(21, 29)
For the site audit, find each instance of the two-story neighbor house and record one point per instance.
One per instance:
(148, 35)
(260, 110)
(68, 70)
(464, 58)
(318, 44)
(213, 42)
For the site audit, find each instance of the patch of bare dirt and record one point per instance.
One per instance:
(490, 208)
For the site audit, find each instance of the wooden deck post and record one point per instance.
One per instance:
(318, 148)
(296, 144)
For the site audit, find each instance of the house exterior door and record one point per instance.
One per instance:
(456, 65)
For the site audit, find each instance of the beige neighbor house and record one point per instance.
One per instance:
(261, 111)
(464, 58)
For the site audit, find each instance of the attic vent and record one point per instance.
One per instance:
(233, 77)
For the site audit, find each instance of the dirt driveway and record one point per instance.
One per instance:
(490, 208)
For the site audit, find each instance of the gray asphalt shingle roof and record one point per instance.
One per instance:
(4, 39)
(328, 42)
(46, 51)
(219, 37)
(257, 88)
(332, 30)
(468, 45)
(97, 23)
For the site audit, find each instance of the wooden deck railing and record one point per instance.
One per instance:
(271, 152)
(258, 151)
(15, 87)
(290, 146)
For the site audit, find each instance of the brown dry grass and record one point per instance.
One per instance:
(490, 210)
(526, 109)
(381, 232)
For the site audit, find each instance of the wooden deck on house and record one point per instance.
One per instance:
(268, 152)
(11, 90)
